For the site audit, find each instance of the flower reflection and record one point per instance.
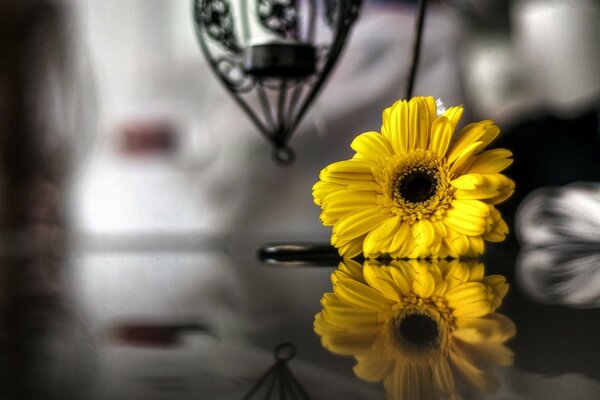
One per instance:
(423, 328)
(559, 229)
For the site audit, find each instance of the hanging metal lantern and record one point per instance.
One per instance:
(273, 56)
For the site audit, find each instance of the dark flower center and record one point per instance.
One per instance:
(417, 185)
(417, 331)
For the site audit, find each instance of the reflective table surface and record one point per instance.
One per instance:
(138, 320)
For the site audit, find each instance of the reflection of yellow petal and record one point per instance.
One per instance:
(402, 279)
(473, 309)
(380, 281)
(442, 377)
(358, 294)
(477, 378)
(373, 369)
(423, 284)
(348, 344)
(352, 268)
(410, 381)
(363, 316)
(498, 287)
(493, 328)
(466, 294)
(494, 353)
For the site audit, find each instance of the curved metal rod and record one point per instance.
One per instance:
(416, 50)
(345, 20)
(198, 26)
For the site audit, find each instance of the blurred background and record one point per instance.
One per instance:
(136, 192)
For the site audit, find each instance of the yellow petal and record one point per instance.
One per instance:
(386, 229)
(426, 120)
(418, 123)
(371, 146)
(351, 248)
(441, 133)
(476, 245)
(464, 223)
(423, 233)
(471, 207)
(465, 158)
(439, 228)
(401, 236)
(483, 132)
(359, 223)
(395, 126)
(352, 166)
(453, 114)
(492, 188)
(491, 162)
(456, 242)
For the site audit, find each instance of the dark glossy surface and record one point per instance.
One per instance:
(185, 324)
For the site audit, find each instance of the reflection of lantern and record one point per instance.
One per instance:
(273, 56)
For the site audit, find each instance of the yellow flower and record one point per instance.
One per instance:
(414, 190)
(419, 326)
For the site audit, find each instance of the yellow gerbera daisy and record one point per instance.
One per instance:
(415, 191)
(420, 327)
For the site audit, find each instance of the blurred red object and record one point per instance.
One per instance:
(146, 137)
(153, 335)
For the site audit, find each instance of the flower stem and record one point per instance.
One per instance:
(416, 50)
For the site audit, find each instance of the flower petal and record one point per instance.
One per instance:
(372, 368)
(491, 162)
(359, 223)
(395, 126)
(441, 133)
(371, 146)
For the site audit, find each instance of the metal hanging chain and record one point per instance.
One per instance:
(279, 382)
(416, 49)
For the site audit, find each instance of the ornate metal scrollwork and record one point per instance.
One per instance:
(276, 79)
(217, 18)
(279, 16)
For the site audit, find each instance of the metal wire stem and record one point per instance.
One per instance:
(416, 50)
